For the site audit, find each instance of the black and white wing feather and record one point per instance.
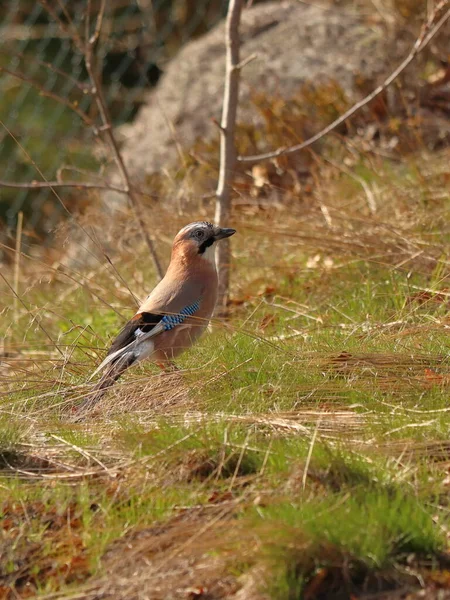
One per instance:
(141, 327)
(132, 344)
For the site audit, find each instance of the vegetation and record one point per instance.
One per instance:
(301, 452)
(44, 65)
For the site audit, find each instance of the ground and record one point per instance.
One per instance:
(302, 449)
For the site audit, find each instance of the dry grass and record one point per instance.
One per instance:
(316, 412)
(302, 449)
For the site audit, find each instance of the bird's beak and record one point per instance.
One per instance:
(222, 233)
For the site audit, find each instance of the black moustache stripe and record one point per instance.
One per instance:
(206, 244)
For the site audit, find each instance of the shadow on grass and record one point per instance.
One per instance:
(22, 464)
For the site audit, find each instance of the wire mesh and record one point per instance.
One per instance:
(40, 66)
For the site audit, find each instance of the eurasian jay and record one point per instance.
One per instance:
(176, 312)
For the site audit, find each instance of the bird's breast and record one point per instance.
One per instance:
(170, 344)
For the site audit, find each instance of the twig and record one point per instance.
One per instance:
(246, 61)
(82, 185)
(426, 35)
(61, 184)
(227, 144)
(47, 184)
(86, 48)
(84, 88)
(98, 25)
(17, 263)
(43, 92)
(36, 166)
(67, 28)
(107, 128)
(371, 202)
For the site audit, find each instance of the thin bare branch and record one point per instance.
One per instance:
(82, 185)
(131, 32)
(98, 25)
(68, 28)
(86, 48)
(135, 203)
(42, 63)
(227, 143)
(36, 185)
(14, 32)
(97, 94)
(428, 32)
(35, 165)
(48, 94)
(17, 262)
(48, 185)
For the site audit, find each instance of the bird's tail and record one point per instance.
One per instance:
(110, 375)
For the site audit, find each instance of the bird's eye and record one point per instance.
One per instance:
(199, 234)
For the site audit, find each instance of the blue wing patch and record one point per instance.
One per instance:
(171, 321)
(144, 326)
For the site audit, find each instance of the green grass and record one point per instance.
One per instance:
(306, 438)
(372, 532)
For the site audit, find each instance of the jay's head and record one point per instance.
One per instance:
(199, 239)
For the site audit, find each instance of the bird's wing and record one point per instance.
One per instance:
(173, 294)
(144, 326)
(141, 324)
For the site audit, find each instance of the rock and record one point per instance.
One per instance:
(294, 43)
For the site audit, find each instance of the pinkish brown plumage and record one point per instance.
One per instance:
(176, 312)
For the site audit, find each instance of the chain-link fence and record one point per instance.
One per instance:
(43, 84)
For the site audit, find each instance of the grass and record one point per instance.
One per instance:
(301, 452)
(372, 533)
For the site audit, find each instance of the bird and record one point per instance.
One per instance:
(174, 314)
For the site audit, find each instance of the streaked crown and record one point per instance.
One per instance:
(201, 235)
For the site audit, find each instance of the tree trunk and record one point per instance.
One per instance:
(227, 146)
